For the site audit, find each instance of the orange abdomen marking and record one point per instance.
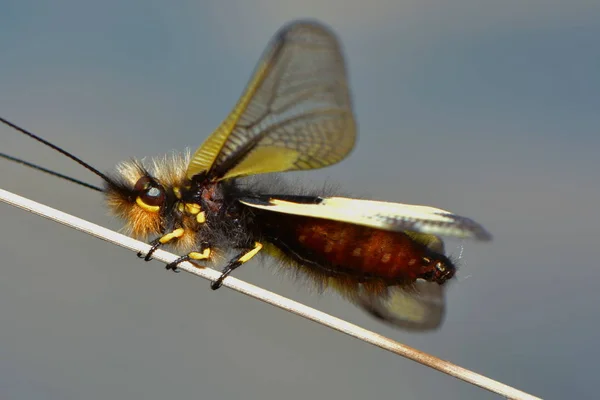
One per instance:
(354, 250)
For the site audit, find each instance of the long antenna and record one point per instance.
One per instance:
(63, 152)
(50, 172)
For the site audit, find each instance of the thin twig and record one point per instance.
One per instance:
(271, 298)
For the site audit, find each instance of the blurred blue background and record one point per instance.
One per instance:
(488, 109)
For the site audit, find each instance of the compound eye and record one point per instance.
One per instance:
(153, 196)
(150, 194)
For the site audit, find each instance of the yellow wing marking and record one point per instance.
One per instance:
(294, 114)
(380, 215)
(206, 154)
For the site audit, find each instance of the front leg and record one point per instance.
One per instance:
(235, 262)
(156, 243)
(148, 256)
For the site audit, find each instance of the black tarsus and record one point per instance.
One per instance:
(173, 265)
(155, 245)
(228, 269)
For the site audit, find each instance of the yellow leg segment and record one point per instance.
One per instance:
(246, 257)
(177, 233)
(194, 255)
(235, 263)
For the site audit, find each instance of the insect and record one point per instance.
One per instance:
(295, 114)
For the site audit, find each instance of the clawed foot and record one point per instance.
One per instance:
(155, 245)
(218, 283)
(173, 266)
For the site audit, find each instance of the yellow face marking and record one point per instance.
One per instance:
(328, 248)
(192, 208)
(201, 217)
(251, 253)
(177, 192)
(177, 233)
(145, 206)
(180, 207)
(386, 257)
(357, 252)
(200, 256)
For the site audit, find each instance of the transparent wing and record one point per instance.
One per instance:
(420, 308)
(376, 214)
(295, 113)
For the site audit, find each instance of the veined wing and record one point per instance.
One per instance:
(418, 308)
(295, 114)
(376, 214)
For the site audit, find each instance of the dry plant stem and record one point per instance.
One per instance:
(269, 297)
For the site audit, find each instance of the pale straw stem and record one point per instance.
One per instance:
(271, 298)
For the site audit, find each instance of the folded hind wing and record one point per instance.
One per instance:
(418, 308)
(376, 214)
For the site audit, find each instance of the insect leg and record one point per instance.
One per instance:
(156, 243)
(203, 254)
(238, 260)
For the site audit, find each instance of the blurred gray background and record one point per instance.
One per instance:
(488, 109)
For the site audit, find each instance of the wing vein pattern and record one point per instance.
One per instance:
(295, 114)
